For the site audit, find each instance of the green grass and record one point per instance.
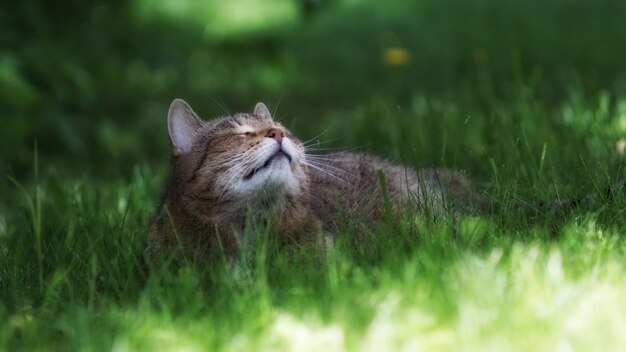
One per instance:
(72, 273)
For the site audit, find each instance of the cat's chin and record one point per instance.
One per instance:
(271, 162)
(277, 171)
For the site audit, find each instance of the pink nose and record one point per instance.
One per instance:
(275, 133)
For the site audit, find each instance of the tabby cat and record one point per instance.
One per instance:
(229, 169)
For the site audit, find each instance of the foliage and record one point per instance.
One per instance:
(91, 81)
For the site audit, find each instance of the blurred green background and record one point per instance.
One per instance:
(89, 82)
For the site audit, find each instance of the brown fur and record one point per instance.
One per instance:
(199, 216)
(356, 190)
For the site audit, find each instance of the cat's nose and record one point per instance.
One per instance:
(275, 133)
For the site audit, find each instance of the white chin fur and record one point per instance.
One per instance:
(277, 173)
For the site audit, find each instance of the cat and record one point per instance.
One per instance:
(231, 168)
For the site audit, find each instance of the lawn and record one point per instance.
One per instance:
(528, 98)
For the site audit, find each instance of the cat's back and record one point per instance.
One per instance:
(350, 185)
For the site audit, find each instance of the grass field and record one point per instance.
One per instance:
(526, 129)
(73, 274)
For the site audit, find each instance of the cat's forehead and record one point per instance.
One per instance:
(241, 123)
(253, 121)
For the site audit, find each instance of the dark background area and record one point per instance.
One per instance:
(89, 82)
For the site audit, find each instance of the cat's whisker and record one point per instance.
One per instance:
(319, 135)
(339, 151)
(233, 157)
(236, 157)
(278, 104)
(226, 164)
(328, 151)
(314, 143)
(324, 150)
(243, 161)
(326, 172)
(325, 164)
(221, 105)
(322, 170)
(329, 169)
(330, 159)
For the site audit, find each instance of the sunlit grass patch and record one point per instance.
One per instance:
(147, 330)
(539, 296)
(529, 296)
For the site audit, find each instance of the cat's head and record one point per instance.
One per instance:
(234, 157)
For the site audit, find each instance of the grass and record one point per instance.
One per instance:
(72, 274)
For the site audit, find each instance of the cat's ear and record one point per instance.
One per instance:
(261, 110)
(183, 125)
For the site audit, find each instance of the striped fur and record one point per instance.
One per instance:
(233, 168)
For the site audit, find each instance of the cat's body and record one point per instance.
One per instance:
(247, 165)
(349, 185)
